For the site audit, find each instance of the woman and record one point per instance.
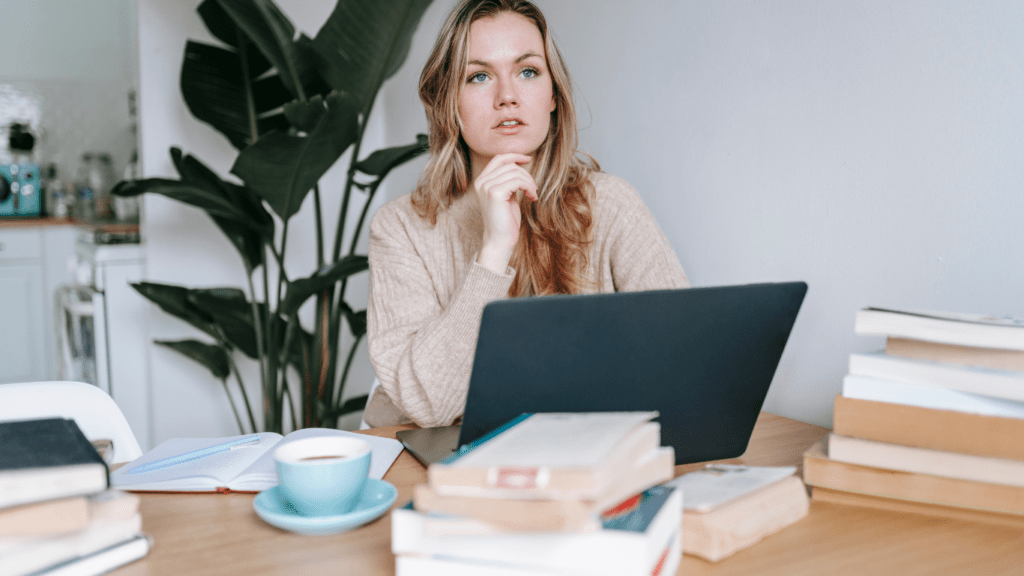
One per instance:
(504, 208)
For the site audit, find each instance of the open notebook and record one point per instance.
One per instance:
(246, 468)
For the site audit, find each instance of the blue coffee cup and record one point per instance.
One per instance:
(323, 476)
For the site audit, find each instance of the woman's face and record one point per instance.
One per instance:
(507, 98)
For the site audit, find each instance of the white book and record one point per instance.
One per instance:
(548, 456)
(882, 390)
(104, 560)
(31, 554)
(631, 541)
(925, 461)
(1008, 384)
(416, 565)
(246, 468)
(948, 328)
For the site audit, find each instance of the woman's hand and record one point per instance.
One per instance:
(499, 188)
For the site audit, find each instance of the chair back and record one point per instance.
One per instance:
(91, 408)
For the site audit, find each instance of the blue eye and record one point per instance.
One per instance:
(478, 77)
(529, 73)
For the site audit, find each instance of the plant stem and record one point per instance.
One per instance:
(245, 395)
(234, 407)
(344, 372)
(319, 226)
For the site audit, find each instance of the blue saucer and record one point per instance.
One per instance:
(376, 498)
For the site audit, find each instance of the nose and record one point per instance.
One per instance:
(506, 95)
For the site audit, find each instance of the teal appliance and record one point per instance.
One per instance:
(20, 196)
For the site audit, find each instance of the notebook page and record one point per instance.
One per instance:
(207, 473)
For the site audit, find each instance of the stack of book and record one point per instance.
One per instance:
(934, 424)
(730, 507)
(58, 516)
(547, 494)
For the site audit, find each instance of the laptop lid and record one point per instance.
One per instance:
(704, 358)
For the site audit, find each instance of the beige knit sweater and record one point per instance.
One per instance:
(427, 294)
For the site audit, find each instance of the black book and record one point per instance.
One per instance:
(46, 459)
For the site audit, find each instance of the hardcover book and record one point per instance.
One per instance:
(948, 430)
(733, 507)
(1007, 384)
(556, 515)
(548, 456)
(822, 471)
(46, 459)
(948, 328)
(635, 538)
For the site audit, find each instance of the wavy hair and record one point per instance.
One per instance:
(551, 256)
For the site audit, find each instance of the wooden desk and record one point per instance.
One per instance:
(220, 534)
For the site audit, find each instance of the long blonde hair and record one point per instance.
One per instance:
(551, 255)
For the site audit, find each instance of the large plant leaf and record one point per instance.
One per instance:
(229, 309)
(213, 357)
(247, 241)
(174, 300)
(255, 215)
(188, 193)
(283, 168)
(363, 43)
(302, 289)
(301, 341)
(214, 88)
(382, 161)
(272, 32)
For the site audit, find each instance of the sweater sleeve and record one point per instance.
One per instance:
(422, 348)
(641, 256)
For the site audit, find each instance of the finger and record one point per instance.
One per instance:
(513, 158)
(503, 185)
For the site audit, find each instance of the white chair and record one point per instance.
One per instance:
(373, 387)
(91, 408)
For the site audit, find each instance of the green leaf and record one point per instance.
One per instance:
(213, 86)
(174, 300)
(302, 289)
(305, 115)
(363, 43)
(283, 168)
(272, 32)
(382, 161)
(213, 357)
(229, 309)
(354, 404)
(356, 322)
(250, 207)
(247, 241)
(192, 194)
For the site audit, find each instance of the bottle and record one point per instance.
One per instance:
(85, 201)
(56, 200)
(126, 208)
(101, 175)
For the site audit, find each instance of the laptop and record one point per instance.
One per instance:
(704, 358)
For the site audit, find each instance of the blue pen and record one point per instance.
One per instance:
(193, 455)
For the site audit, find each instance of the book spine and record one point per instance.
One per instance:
(930, 428)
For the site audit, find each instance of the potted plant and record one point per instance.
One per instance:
(292, 106)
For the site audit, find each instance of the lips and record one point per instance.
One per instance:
(510, 123)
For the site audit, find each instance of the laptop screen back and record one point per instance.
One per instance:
(704, 358)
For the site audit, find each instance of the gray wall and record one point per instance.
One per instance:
(872, 149)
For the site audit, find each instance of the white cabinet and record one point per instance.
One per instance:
(32, 264)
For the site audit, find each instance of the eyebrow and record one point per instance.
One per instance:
(518, 60)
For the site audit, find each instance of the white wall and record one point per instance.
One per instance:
(182, 244)
(872, 149)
